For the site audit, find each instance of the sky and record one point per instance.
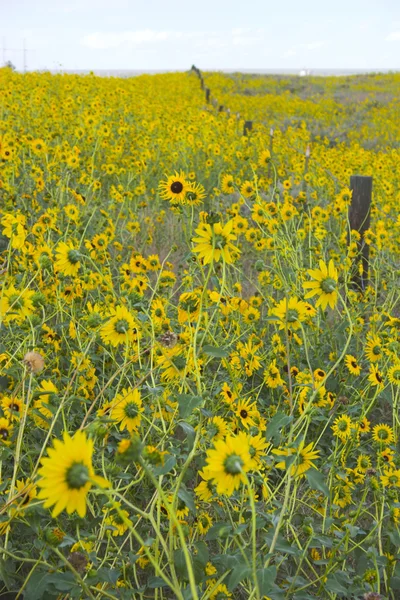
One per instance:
(212, 34)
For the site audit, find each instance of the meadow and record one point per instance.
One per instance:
(196, 401)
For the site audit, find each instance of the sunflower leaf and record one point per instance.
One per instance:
(316, 481)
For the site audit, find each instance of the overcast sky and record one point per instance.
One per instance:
(213, 34)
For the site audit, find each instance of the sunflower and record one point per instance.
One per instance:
(6, 429)
(376, 377)
(342, 427)
(42, 405)
(364, 426)
(214, 242)
(217, 427)
(67, 259)
(13, 408)
(120, 328)
(272, 376)
(352, 365)
(16, 305)
(245, 411)
(325, 285)
(228, 461)
(205, 490)
(126, 409)
(67, 475)
(117, 519)
(373, 348)
(257, 446)
(264, 158)
(26, 490)
(227, 184)
(391, 478)
(188, 307)
(174, 188)
(203, 523)
(195, 194)
(394, 374)
(290, 313)
(383, 434)
(363, 463)
(304, 457)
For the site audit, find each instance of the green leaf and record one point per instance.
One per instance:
(237, 575)
(166, 467)
(187, 498)
(316, 481)
(218, 530)
(277, 423)
(36, 587)
(216, 352)
(190, 433)
(156, 582)
(187, 404)
(63, 582)
(338, 583)
(266, 578)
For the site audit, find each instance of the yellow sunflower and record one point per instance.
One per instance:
(126, 409)
(67, 475)
(214, 242)
(121, 328)
(67, 259)
(325, 285)
(290, 312)
(174, 188)
(228, 461)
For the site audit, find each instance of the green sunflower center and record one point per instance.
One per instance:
(382, 434)
(342, 426)
(131, 410)
(328, 285)
(73, 256)
(16, 301)
(220, 241)
(292, 315)
(77, 476)
(121, 326)
(233, 464)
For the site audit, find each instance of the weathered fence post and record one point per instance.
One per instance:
(359, 220)
(208, 95)
(247, 127)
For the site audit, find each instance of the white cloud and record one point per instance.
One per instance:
(393, 37)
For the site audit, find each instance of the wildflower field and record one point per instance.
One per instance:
(196, 400)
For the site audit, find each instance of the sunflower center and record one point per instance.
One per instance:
(383, 434)
(4, 433)
(176, 187)
(393, 479)
(131, 410)
(292, 315)
(16, 301)
(328, 285)
(376, 350)
(73, 256)
(233, 464)
(14, 407)
(121, 326)
(220, 241)
(244, 414)
(77, 476)
(342, 425)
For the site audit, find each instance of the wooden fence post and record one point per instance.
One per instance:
(208, 95)
(359, 220)
(247, 127)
